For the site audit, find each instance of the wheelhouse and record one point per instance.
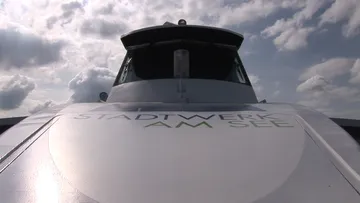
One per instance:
(182, 51)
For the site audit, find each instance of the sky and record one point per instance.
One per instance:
(295, 51)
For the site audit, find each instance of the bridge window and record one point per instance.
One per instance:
(205, 62)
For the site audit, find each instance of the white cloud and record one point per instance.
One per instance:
(278, 27)
(293, 39)
(85, 34)
(99, 53)
(44, 75)
(41, 106)
(253, 38)
(319, 93)
(317, 86)
(311, 7)
(291, 33)
(315, 83)
(254, 79)
(355, 72)
(106, 9)
(14, 90)
(342, 10)
(255, 82)
(250, 11)
(329, 68)
(59, 15)
(331, 95)
(103, 28)
(276, 93)
(346, 93)
(318, 104)
(42, 94)
(91, 29)
(88, 84)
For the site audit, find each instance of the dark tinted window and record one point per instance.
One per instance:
(206, 62)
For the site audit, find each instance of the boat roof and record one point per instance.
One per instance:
(161, 33)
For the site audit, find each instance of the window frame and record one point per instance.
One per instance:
(119, 74)
(241, 70)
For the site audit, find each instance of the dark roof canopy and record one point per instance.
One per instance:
(182, 32)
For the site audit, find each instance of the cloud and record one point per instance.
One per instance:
(91, 29)
(290, 36)
(329, 69)
(18, 50)
(88, 84)
(293, 39)
(251, 11)
(296, 21)
(254, 79)
(247, 12)
(347, 93)
(315, 83)
(318, 104)
(106, 19)
(102, 28)
(70, 6)
(67, 12)
(14, 90)
(45, 75)
(100, 53)
(252, 38)
(342, 10)
(276, 93)
(106, 9)
(139, 14)
(41, 106)
(57, 15)
(355, 72)
(325, 95)
(255, 82)
(51, 75)
(320, 93)
(317, 79)
(291, 33)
